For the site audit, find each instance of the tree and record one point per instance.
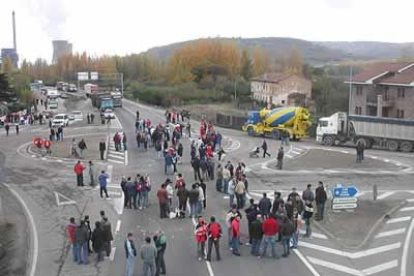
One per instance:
(246, 65)
(6, 94)
(295, 62)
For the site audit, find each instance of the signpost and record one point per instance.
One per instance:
(344, 197)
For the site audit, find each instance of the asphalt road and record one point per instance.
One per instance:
(305, 162)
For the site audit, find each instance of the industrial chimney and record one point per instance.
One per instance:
(14, 33)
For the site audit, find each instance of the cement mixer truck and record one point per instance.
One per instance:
(273, 122)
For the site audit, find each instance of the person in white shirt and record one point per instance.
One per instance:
(200, 199)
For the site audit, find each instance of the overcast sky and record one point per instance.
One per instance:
(132, 26)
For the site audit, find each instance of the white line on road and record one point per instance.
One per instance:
(34, 231)
(406, 248)
(344, 151)
(109, 172)
(117, 152)
(115, 156)
(397, 220)
(386, 194)
(354, 255)
(307, 264)
(407, 209)
(352, 271)
(118, 122)
(112, 256)
(115, 193)
(115, 161)
(118, 226)
(126, 158)
(390, 233)
(314, 235)
(410, 200)
(296, 152)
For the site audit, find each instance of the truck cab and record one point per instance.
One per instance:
(332, 129)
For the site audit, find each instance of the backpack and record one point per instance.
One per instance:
(215, 230)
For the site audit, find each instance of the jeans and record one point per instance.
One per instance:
(82, 253)
(286, 245)
(200, 249)
(308, 227)
(144, 199)
(256, 247)
(125, 146)
(135, 196)
(236, 245)
(210, 247)
(320, 207)
(225, 185)
(92, 180)
(149, 266)
(231, 198)
(219, 184)
(75, 252)
(194, 209)
(132, 199)
(270, 240)
(103, 190)
(295, 239)
(130, 266)
(160, 262)
(199, 207)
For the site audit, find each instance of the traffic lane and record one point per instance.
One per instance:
(15, 235)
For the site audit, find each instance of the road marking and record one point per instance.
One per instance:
(307, 264)
(117, 152)
(115, 193)
(33, 264)
(126, 157)
(66, 201)
(396, 220)
(345, 269)
(315, 235)
(410, 200)
(354, 255)
(386, 160)
(109, 172)
(390, 233)
(115, 156)
(115, 161)
(407, 209)
(406, 248)
(118, 226)
(386, 194)
(296, 152)
(118, 122)
(112, 256)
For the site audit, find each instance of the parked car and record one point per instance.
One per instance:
(60, 120)
(109, 113)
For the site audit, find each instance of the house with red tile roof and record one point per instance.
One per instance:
(281, 89)
(384, 89)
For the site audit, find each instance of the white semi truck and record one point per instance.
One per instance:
(388, 133)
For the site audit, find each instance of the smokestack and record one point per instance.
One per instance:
(14, 32)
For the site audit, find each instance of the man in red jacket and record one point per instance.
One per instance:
(235, 235)
(162, 199)
(71, 228)
(79, 168)
(270, 228)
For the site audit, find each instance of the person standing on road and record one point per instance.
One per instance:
(308, 194)
(360, 152)
(320, 199)
(279, 158)
(144, 188)
(92, 118)
(256, 235)
(214, 234)
(264, 147)
(79, 168)
(107, 235)
(296, 222)
(170, 193)
(277, 202)
(88, 227)
(270, 228)
(92, 173)
(193, 196)
(60, 133)
(7, 128)
(201, 197)
(182, 194)
(17, 129)
(124, 190)
(97, 241)
(81, 236)
(130, 253)
(203, 186)
(71, 229)
(102, 148)
(88, 117)
(161, 244)
(162, 200)
(124, 141)
(103, 183)
(264, 206)
(251, 213)
(148, 256)
(195, 163)
(229, 219)
(131, 193)
(286, 231)
(307, 215)
(235, 235)
(201, 237)
(240, 192)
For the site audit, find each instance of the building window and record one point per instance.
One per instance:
(400, 113)
(359, 90)
(386, 93)
(401, 92)
(358, 110)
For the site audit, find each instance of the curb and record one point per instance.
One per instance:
(368, 236)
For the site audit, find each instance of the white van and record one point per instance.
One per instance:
(60, 120)
(52, 94)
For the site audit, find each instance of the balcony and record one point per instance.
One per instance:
(372, 100)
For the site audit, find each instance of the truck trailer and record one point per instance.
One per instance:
(272, 122)
(387, 133)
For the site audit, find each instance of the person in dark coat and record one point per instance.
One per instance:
(98, 241)
(264, 206)
(264, 147)
(320, 199)
(251, 213)
(277, 202)
(286, 230)
(102, 148)
(161, 245)
(81, 239)
(256, 234)
(88, 226)
(182, 194)
(107, 235)
(195, 163)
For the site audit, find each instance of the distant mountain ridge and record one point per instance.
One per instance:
(314, 52)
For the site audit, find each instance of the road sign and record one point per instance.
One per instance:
(94, 76)
(82, 76)
(344, 206)
(349, 191)
(343, 200)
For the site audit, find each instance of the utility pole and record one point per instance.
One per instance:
(235, 92)
(122, 84)
(350, 85)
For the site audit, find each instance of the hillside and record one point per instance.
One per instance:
(314, 52)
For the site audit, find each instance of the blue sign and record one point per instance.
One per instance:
(349, 191)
